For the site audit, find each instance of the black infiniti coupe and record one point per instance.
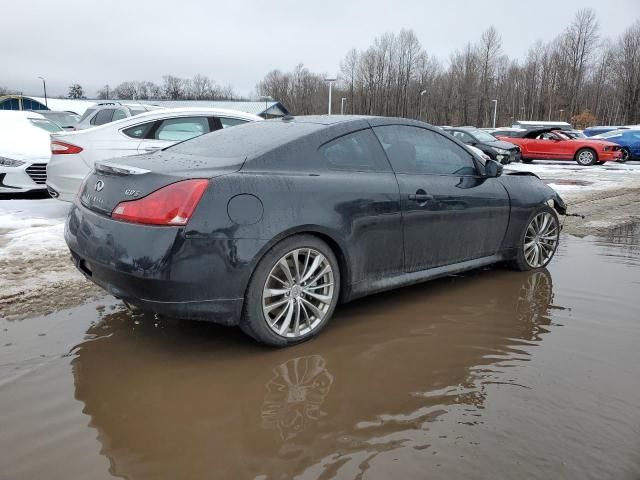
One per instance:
(270, 225)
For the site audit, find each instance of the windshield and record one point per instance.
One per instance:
(614, 133)
(45, 124)
(483, 136)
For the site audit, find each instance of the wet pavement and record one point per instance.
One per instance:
(491, 374)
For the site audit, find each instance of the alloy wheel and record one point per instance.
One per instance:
(625, 155)
(541, 239)
(298, 292)
(586, 157)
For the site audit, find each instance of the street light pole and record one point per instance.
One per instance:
(342, 105)
(561, 112)
(495, 111)
(420, 104)
(330, 80)
(44, 85)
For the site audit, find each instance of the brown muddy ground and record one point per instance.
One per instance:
(492, 374)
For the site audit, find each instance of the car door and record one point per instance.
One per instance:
(169, 131)
(451, 211)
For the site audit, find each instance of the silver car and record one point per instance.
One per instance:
(107, 112)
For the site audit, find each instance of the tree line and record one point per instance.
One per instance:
(200, 87)
(578, 77)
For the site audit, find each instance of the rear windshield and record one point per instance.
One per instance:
(87, 114)
(246, 140)
(45, 124)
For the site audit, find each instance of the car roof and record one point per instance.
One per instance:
(159, 114)
(14, 114)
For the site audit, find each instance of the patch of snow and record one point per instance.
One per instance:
(32, 227)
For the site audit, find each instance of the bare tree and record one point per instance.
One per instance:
(76, 91)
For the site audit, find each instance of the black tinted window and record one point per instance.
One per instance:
(358, 151)
(102, 117)
(138, 131)
(417, 150)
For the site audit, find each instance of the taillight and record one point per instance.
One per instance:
(60, 148)
(170, 205)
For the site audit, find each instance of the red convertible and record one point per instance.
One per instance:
(552, 144)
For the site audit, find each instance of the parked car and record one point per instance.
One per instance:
(507, 132)
(592, 131)
(24, 150)
(628, 139)
(74, 154)
(65, 120)
(270, 224)
(552, 144)
(106, 112)
(498, 150)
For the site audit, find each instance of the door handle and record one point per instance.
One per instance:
(420, 196)
(152, 149)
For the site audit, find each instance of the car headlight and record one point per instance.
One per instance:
(502, 151)
(10, 162)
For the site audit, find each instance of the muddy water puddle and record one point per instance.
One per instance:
(492, 374)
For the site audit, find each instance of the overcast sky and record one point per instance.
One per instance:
(238, 42)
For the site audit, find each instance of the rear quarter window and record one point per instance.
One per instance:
(358, 151)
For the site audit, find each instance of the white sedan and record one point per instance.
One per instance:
(74, 154)
(24, 150)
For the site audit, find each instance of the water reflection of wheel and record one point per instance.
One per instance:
(535, 297)
(295, 394)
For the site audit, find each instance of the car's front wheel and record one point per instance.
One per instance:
(292, 293)
(586, 157)
(626, 154)
(539, 240)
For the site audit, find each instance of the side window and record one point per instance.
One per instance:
(358, 151)
(179, 129)
(102, 117)
(119, 114)
(230, 122)
(138, 131)
(421, 151)
(463, 137)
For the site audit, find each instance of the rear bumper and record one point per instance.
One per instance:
(65, 176)
(160, 269)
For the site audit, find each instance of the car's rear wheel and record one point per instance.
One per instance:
(292, 293)
(526, 160)
(539, 240)
(625, 154)
(586, 157)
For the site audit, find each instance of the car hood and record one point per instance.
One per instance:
(501, 144)
(26, 145)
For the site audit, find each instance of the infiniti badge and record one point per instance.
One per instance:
(99, 185)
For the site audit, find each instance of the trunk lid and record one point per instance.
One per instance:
(131, 178)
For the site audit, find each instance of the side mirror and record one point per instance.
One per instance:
(492, 169)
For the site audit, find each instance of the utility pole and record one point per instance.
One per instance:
(44, 85)
(331, 81)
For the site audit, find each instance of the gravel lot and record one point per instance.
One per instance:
(38, 277)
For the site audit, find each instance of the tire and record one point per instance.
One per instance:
(546, 244)
(280, 309)
(626, 155)
(526, 160)
(586, 157)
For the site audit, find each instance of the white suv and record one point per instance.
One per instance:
(74, 154)
(106, 112)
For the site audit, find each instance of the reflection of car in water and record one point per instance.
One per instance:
(295, 395)
(192, 400)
